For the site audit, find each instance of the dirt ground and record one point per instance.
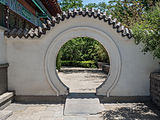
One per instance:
(82, 79)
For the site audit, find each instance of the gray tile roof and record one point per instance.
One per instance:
(97, 14)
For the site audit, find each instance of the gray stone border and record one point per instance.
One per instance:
(124, 99)
(3, 78)
(29, 99)
(155, 87)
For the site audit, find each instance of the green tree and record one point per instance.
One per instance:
(84, 49)
(147, 31)
(58, 60)
(129, 11)
(91, 5)
(70, 4)
(101, 5)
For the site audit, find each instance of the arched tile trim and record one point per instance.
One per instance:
(95, 14)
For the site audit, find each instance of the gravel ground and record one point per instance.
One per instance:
(82, 79)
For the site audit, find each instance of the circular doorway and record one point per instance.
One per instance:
(82, 64)
(66, 35)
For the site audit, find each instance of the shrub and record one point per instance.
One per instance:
(85, 64)
(58, 61)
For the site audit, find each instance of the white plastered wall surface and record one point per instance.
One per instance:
(3, 58)
(32, 68)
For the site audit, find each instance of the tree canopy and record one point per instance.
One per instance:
(70, 4)
(139, 15)
(147, 31)
(102, 5)
(129, 11)
(84, 49)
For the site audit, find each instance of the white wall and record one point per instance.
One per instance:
(27, 73)
(3, 58)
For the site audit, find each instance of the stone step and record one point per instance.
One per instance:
(75, 106)
(4, 114)
(6, 99)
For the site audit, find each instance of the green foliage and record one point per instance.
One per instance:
(135, 14)
(82, 52)
(84, 49)
(129, 11)
(85, 64)
(91, 5)
(151, 41)
(58, 60)
(101, 5)
(70, 4)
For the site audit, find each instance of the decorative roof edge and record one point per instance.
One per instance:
(4, 65)
(39, 31)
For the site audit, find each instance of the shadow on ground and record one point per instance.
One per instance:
(141, 111)
(82, 95)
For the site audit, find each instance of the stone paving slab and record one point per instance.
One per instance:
(113, 111)
(74, 118)
(131, 111)
(82, 106)
(4, 114)
(36, 111)
(51, 118)
(84, 117)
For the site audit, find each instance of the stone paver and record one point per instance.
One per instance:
(35, 112)
(131, 111)
(4, 114)
(43, 112)
(113, 111)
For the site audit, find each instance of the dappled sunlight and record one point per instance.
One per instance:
(131, 111)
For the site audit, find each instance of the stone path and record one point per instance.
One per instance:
(36, 111)
(44, 112)
(82, 80)
(113, 111)
(4, 114)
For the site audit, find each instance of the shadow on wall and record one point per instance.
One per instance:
(141, 111)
